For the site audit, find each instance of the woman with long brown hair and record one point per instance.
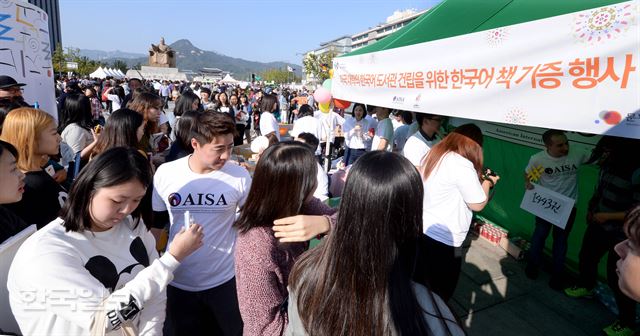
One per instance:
(455, 186)
(282, 186)
(150, 106)
(358, 281)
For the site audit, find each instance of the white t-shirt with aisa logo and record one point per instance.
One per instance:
(558, 174)
(212, 200)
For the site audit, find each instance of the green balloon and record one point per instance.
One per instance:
(327, 84)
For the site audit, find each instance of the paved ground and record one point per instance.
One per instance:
(494, 297)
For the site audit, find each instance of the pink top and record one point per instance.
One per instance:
(262, 267)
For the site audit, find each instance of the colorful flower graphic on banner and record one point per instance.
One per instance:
(496, 37)
(516, 116)
(609, 117)
(603, 24)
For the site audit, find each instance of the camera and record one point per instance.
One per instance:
(488, 172)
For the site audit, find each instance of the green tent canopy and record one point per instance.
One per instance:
(458, 17)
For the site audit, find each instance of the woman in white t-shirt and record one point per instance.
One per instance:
(356, 134)
(306, 122)
(99, 257)
(223, 104)
(115, 94)
(454, 187)
(76, 124)
(268, 123)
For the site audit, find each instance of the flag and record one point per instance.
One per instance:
(290, 69)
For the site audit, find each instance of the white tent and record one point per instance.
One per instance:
(120, 73)
(229, 79)
(112, 73)
(99, 73)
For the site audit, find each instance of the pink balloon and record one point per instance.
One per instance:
(322, 95)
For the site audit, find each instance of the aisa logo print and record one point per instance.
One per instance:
(190, 199)
(175, 199)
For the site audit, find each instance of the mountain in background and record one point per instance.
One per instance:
(192, 58)
(100, 55)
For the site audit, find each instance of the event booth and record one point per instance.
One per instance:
(516, 68)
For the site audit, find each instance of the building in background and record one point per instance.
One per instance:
(338, 46)
(393, 23)
(52, 8)
(345, 44)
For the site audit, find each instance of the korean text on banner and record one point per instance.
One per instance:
(547, 204)
(559, 72)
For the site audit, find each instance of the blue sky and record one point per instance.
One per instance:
(251, 29)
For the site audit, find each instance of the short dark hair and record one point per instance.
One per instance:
(9, 147)
(211, 124)
(205, 90)
(546, 136)
(113, 167)
(270, 197)
(309, 139)
(305, 111)
(268, 102)
(472, 131)
(420, 117)
(407, 117)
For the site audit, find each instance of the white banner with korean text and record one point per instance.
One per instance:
(577, 72)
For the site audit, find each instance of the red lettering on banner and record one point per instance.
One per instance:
(546, 76)
(610, 71)
(587, 72)
(505, 75)
(456, 79)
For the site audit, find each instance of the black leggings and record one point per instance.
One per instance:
(438, 266)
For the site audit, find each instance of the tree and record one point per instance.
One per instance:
(121, 65)
(318, 65)
(279, 76)
(58, 60)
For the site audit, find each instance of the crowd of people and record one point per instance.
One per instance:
(149, 223)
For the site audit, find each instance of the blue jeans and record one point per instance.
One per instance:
(352, 154)
(559, 250)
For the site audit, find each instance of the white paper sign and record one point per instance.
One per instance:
(547, 204)
(25, 53)
(8, 250)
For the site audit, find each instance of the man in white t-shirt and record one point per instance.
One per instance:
(328, 121)
(419, 144)
(202, 296)
(383, 139)
(557, 169)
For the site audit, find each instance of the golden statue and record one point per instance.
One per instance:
(162, 55)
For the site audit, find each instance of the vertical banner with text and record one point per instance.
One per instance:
(25, 52)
